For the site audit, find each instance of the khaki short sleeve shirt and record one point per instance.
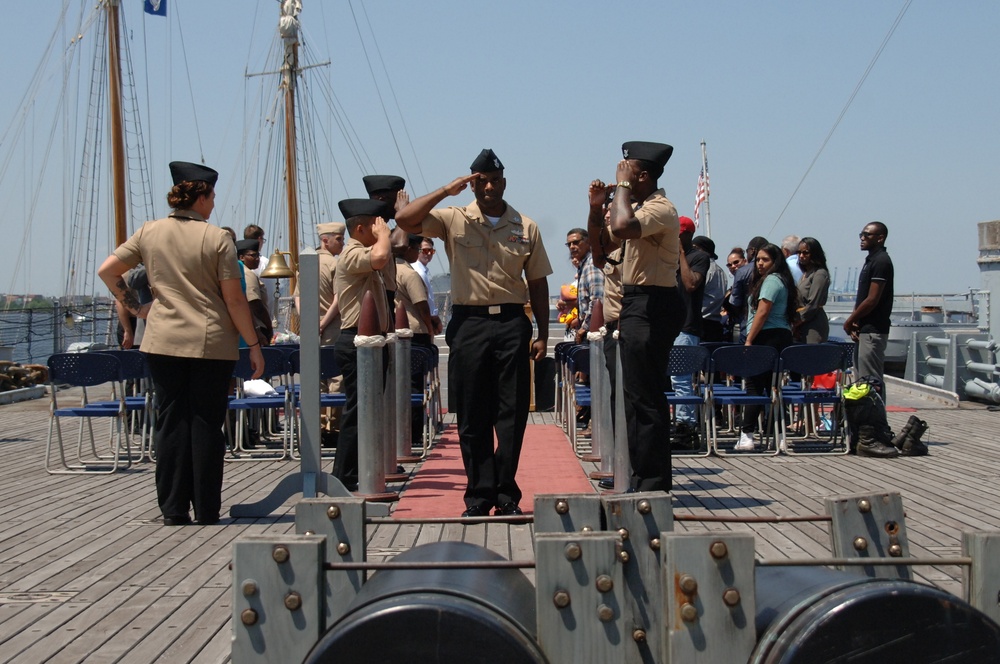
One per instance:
(355, 276)
(489, 264)
(652, 260)
(410, 291)
(254, 286)
(186, 259)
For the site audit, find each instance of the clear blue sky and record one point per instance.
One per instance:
(554, 89)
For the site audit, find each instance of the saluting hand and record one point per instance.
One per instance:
(598, 193)
(402, 199)
(458, 185)
(624, 171)
(380, 228)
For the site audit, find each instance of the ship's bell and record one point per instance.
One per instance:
(277, 268)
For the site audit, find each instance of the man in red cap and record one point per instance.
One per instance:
(691, 276)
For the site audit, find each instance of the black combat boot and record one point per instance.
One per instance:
(870, 446)
(913, 446)
(900, 438)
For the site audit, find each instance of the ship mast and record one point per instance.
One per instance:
(117, 133)
(288, 28)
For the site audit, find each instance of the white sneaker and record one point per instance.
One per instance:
(782, 445)
(745, 444)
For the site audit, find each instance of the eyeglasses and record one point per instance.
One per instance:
(427, 252)
(251, 254)
(864, 234)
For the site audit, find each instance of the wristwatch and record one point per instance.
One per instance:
(624, 183)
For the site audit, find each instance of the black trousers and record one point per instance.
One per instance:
(779, 339)
(650, 320)
(489, 383)
(345, 465)
(610, 350)
(191, 400)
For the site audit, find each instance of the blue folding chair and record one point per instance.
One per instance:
(275, 366)
(421, 360)
(743, 362)
(804, 400)
(692, 360)
(138, 398)
(85, 370)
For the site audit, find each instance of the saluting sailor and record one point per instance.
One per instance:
(644, 223)
(497, 263)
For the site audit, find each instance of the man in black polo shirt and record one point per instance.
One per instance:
(869, 324)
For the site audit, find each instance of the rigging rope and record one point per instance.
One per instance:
(843, 112)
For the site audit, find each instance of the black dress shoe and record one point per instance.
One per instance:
(607, 483)
(508, 509)
(476, 510)
(209, 520)
(180, 520)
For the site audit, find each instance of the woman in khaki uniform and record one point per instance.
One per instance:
(192, 327)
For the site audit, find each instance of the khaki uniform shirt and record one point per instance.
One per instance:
(355, 276)
(327, 272)
(186, 259)
(255, 288)
(612, 287)
(410, 291)
(652, 260)
(487, 262)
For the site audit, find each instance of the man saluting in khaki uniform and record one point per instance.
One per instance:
(493, 250)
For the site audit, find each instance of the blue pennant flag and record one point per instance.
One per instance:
(155, 7)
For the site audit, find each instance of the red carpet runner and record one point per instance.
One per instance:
(548, 465)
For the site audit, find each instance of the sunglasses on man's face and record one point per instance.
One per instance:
(427, 252)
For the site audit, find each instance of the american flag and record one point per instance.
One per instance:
(701, 195)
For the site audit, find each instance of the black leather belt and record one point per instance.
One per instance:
(487, 310)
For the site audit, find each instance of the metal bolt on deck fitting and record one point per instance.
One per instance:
(644, 507)
(562, 507)
(654, 544)
(860, 544)
(280, 554)
(623, 556)
(293, 601)
(309, 532)
(248, 617)
(572, 551)
(688, 612)
(333, 512)
(639, 635)
(623, 533)
(604, 583)
(718, 549)
(730, 597)
(586, 529)
(249, 588)
(688, 584)
(560, 599)
(605, 613)
(895, 550)
(343, 548)
(864, 506)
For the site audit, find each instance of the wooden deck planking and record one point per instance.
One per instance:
(141, 592)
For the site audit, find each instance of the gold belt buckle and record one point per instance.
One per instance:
(494, 309)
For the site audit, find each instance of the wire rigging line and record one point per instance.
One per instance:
(381, 101)
(843, 112)
(187, 70)
(395, 100)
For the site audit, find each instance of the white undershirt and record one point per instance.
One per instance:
(493, 220)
